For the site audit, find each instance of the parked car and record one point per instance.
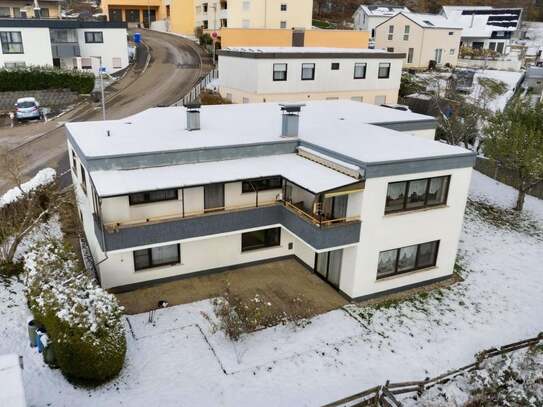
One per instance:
(27, 108)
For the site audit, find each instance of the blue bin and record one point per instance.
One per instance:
(39, 333)
(137, 38)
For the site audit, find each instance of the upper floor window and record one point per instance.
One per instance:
(406, 259)
(263, 184)
(12, 42)
(308, 72)
(335, 66)
(62, 35)
(359, 70)
(406, 33)
(153, 196)
(44, 12)
(390, 32)
(451, 32)
(283, 7)
(204, 7)
(280, 72)
(384, 70)
(92, 37)
(416, 194)
(157, 256)
(5, 12)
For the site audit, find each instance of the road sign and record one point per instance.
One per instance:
(214, 34)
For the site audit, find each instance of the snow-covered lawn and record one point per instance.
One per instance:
(511, 80)
(178, 359)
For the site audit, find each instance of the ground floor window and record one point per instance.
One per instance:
(406, 259)
(157, 256)
(260, 239)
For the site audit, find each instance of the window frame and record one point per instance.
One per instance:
(248, 185)
(269, 241)
(5, 45)
(147, 197)
(379, 76)
(365, 65)
(284, 7)
(90, 37)
(406, 32)
(334, 66)
(312, 72)
(428, 180)
(150, 257)
(416, 266)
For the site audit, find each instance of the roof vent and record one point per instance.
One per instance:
(291, 120)
(193, 116)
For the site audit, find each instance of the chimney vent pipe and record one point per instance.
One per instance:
(291, 120)
(193, 116)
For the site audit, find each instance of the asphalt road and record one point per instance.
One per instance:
(175, 65)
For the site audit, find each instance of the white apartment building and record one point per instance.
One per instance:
(66, 44)
(267, 74)
(367, 17)
(485, 27)
(371, 208)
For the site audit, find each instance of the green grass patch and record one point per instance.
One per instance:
(324, 24)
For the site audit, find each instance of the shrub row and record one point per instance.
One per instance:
(83, 321)
(37, 78)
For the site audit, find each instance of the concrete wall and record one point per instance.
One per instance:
(36, 47)
(336, 38)
(257, 84)
(424, 42)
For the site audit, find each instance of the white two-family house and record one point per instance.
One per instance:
(367, 17)
(66, 44)
(360, 194)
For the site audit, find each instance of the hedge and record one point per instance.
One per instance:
(38, 78)
(83, 321)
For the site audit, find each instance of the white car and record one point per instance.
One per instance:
(27, 108)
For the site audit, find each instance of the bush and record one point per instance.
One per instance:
(82, 320)
(208, 97)
(37, 78)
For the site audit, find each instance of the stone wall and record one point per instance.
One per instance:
(53, 98)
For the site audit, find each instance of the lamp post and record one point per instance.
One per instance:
(100, 70)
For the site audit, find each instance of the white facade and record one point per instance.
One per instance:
(246, 79)
(357, 161)
(366, 18)
(36, 43)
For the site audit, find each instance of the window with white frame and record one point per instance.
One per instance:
(360, 70)
(405, 259)
(12, 42)
(280, 72)
(390, 32)
(94, 37)
(384, 70)
(308, 72)
(406, 33)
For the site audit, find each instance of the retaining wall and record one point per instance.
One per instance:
(46, 98)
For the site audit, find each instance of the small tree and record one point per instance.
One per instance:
(515, 139)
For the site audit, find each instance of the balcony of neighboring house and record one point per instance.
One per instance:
(323, 220)
(64, 43)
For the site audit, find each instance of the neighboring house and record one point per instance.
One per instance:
(425, 39)
(534, 79)
(25, 9)
(277, 37)
(67, 44)
(11, 379)
(367, 17)
(294, 74)
(485, 27)
(183, 16)
(370, 209)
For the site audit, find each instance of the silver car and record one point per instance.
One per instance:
(27, 108)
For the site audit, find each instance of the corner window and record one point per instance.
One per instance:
(360, 70)
(420, 193)
(157, 256)
(94, 37)
(153, 196)
(335, 66)
(263, 184)
(283, 7)
(12, 42)
(406, 259)
(384, 70)
(308, 72)
(260, 239)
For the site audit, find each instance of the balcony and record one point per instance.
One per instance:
(319, 232)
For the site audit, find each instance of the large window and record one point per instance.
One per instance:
(420, 193)
(157, 256)
(384, 70)
(406, 259)
(62, 35)
(280, 72)
(153, 196)
(359, 70)
(5, 12)
(260, 239)
(308, 72)
(94, 37)
(12, 42)
(262, 184)
(410, 53)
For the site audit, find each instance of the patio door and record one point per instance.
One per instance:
(328, 266)
(213, 197)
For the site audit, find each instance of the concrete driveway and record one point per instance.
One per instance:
(175, 65)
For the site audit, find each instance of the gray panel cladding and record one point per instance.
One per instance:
(319, 238)
(375, 170)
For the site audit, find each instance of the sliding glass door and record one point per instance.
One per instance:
(328, 266)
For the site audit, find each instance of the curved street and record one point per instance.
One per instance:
(174, 66)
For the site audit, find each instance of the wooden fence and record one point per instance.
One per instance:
(493, 169)
(384, 396)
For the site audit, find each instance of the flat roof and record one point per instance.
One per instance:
(301, 171)
(349, 127)
(307, 52)
(58, 23)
